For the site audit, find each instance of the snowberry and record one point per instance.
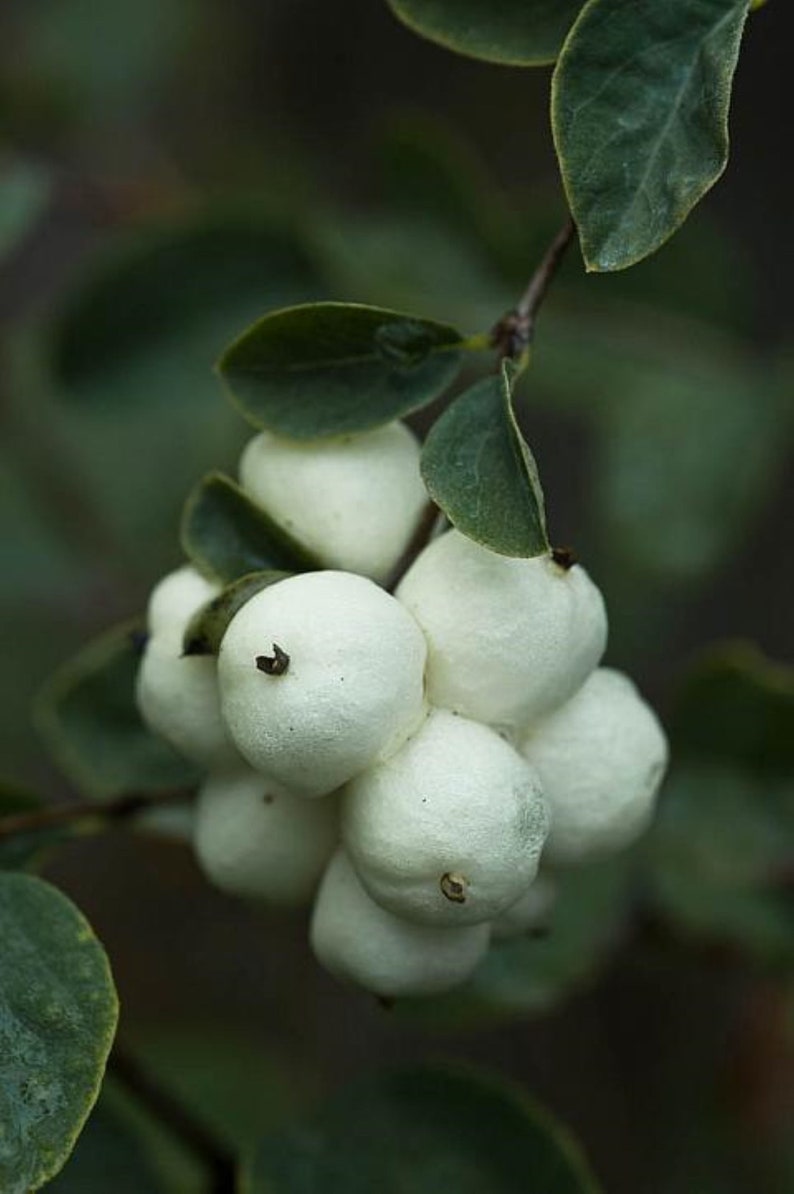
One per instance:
(601, 758)
(509, 639)
(355, 939)
(353, 500)
(449, 830)
(532, 911)
(175, 599)
(178, 695)
(321, 675)
(256, 842)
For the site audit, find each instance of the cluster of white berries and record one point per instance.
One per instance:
(405, 761)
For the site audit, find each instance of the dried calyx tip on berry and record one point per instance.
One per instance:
(564, 557)
(275, 664)
(454, 886)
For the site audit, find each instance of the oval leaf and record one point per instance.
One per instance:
(208, 626)
(478, 468)
(329, 368)
(227, 536)
(58, 1012)
(145, 323)
(88, 717)
(425, 1130)
(513, 32)
(640, 102)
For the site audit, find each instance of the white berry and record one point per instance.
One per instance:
(178, 699)
(449, 830)
(601, 758)
(352, 500)
(175, 599)
(346, 686)
(178, 695)
(508, 639)
(357, 940)
(260, 843)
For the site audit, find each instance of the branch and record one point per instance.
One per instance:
(515, 331)
(178, 1119)
(120, 809)
(426, 528)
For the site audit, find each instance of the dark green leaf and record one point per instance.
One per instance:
(89, 720)
(722, 847)
(526, 975)
(689, 432)
(147, 323)
(131, 358)
(227, 536)
(330, 368)
(24, 194)
(208, 626)
(514, 32)
(108, 1159)
(737, 706)
(422, 1131)
(720, 858)
(478, 468)
(640, 102)
(58, 1011)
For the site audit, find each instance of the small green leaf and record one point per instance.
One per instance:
(528, 974)
(227, 536)
(425, 1130)
(640, 100)
(58, 1012)
(478, 468)
(208, 626)
(88, 718)
(513, 32)
(330, 368)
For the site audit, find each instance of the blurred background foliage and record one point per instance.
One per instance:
(170, 170)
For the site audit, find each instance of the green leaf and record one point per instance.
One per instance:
(640, 100)
(513, 32)
(108, 1157)
(88, 718)
(425, 1130)
(227, 536)
(24, 195)
(146, 322)
(131, 353)
(721, 848)
(689, 434)
(208, 626)
(526, 975)
(58, 1012)
(737, 706)
(478, 468)
(330, 368)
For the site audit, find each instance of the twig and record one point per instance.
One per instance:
(431, 515)
(178, 1119)
(514, 332)
(119, 809)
